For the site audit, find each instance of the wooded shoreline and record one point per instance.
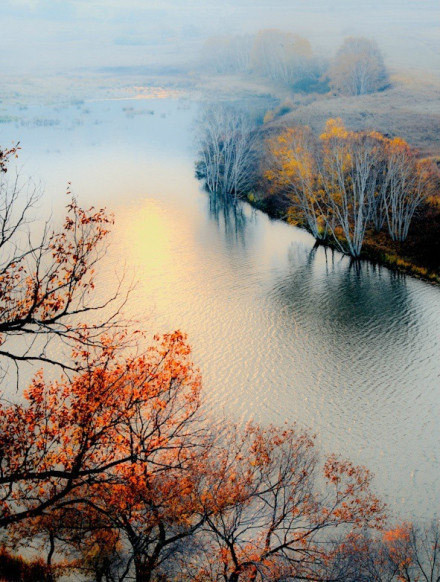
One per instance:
(379, 252)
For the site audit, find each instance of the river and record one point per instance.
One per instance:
(281, 331)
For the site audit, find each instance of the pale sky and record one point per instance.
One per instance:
(64, 34)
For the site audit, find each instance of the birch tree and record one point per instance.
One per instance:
(349, 178)
(409, 181)
(293, 170)
(333, 182)
(347, 182)
(227, 155)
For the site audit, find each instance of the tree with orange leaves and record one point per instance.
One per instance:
(293, 171)
(114, 458)
(5, 155)
(155, 512)
(412, 553)
(249, 505)
(70, 435)
(282, 511)
(346, 182)
(47, 281)
(403, 553)
(112, 411)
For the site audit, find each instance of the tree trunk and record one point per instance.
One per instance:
(50, 555)
(143, 573)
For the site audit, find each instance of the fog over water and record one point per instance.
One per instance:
(47, 35)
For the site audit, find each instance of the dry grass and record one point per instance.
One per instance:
(410, 108)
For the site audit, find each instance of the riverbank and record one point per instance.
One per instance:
(418, 256)
(408, 108)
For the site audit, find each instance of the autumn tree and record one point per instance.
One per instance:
(346, 182)
(5, 155)
(73, 541)
(404, 553)
(283, 509)
(349, 176)
(101, 555)
(413, 552)
(17, 568)
(248, 504)
(368, 178)
(112, 463)
(332, 181)
(47, 280)
(152, 511)
(358, 68)
(291, 159)
(69, 435)
(155, 513)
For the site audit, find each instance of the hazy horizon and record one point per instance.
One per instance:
(61, 36)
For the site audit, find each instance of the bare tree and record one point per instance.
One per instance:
(227, 54)
(358, 68)
(424, 544)
(407, 553)
(277, 523)
(226, 138)
(284, 57)
(408, 181)
(281, 56)
(47, 279)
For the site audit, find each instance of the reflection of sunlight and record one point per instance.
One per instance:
(155, 248)
(144, 93)
(147, 235)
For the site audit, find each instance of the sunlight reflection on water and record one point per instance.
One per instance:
(281, 331)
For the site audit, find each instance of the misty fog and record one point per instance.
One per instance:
(54, 35)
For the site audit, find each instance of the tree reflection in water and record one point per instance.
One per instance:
(230, 217)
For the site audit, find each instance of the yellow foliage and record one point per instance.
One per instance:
(334, 128)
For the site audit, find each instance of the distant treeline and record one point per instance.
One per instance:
(288, 59)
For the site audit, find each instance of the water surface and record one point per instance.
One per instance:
(282, 331)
